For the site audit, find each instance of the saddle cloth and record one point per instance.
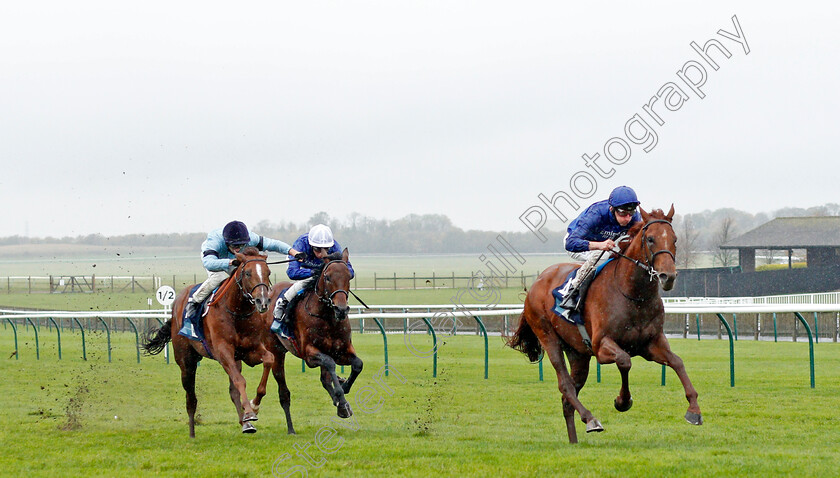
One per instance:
(201, 311)
(575, 316)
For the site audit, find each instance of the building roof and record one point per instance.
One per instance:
(791, 233)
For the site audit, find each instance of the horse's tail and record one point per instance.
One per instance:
(525, 340)
(155, 340)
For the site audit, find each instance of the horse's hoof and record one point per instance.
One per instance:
(694, 418)
(623, 407)
(344, 410)
(249, 417)
(594, 426)
(248, 428)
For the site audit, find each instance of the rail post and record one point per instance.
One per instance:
(14, 329)
(57, 331)
(37, 345)
(731, 350)
(775, 329)
(136, 337)
(166, 347)
(108, 334)
(84, 348)
(486, 347)
(384, 342)
(810, 344)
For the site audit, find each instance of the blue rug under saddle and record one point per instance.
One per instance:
(195, 320)
(575, 316)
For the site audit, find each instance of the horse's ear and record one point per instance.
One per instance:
(644, 214)
(670, 214)
(240, 257)
(345, 254)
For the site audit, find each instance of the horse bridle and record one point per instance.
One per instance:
(329, 299)
(647, 266)
(250, 294)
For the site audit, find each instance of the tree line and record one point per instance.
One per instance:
(435, 233)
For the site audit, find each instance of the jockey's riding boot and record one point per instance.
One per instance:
(570, 300)
(188, 330)
(279, 326)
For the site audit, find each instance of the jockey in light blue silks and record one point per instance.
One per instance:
(594, 232)
(218, 253)
(315, 245)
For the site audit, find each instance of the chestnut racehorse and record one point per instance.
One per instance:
(623, 314)
(235, 330)
(318, 320)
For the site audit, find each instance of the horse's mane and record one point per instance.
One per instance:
(634, 230)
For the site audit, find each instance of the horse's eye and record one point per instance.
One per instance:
(248, 274)
(327, 278)
(650, 240)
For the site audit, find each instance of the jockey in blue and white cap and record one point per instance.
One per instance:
(218, 253)
(595, 231)
(315, 245)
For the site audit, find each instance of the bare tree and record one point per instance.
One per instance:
(725, 233)
(687, 245)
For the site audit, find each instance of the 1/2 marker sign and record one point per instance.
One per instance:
(165, 295)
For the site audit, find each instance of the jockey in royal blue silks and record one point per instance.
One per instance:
(317, 244)
(218, 253)
(594, 232)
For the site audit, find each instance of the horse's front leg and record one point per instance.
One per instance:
(659, 351)
(234, 393)
(237, 384)
(268, 364)
(607, 351)
(329, 380)
(356, 366)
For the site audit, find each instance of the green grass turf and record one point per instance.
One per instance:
(93, 418)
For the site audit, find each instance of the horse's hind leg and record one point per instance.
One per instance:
(188, 365)
(608, 352)
(568, 389)
(660, 352)
(279, 371)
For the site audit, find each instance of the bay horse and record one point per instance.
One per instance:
(321, 333)
(623, 314)
(235, 330)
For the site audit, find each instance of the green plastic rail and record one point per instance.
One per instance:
(810, 344)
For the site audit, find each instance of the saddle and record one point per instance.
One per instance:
(575, 316)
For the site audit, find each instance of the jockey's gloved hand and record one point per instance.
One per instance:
(235, 263)
(300, 256)
(310, 265)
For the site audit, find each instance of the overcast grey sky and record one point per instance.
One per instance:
(158, 116)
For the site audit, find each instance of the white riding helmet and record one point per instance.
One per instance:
(321, 236)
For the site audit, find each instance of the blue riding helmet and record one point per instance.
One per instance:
(236, 234)
(623, 196)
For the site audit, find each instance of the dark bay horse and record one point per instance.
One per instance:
(623, 314)
(318, 319)
(235, 329)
